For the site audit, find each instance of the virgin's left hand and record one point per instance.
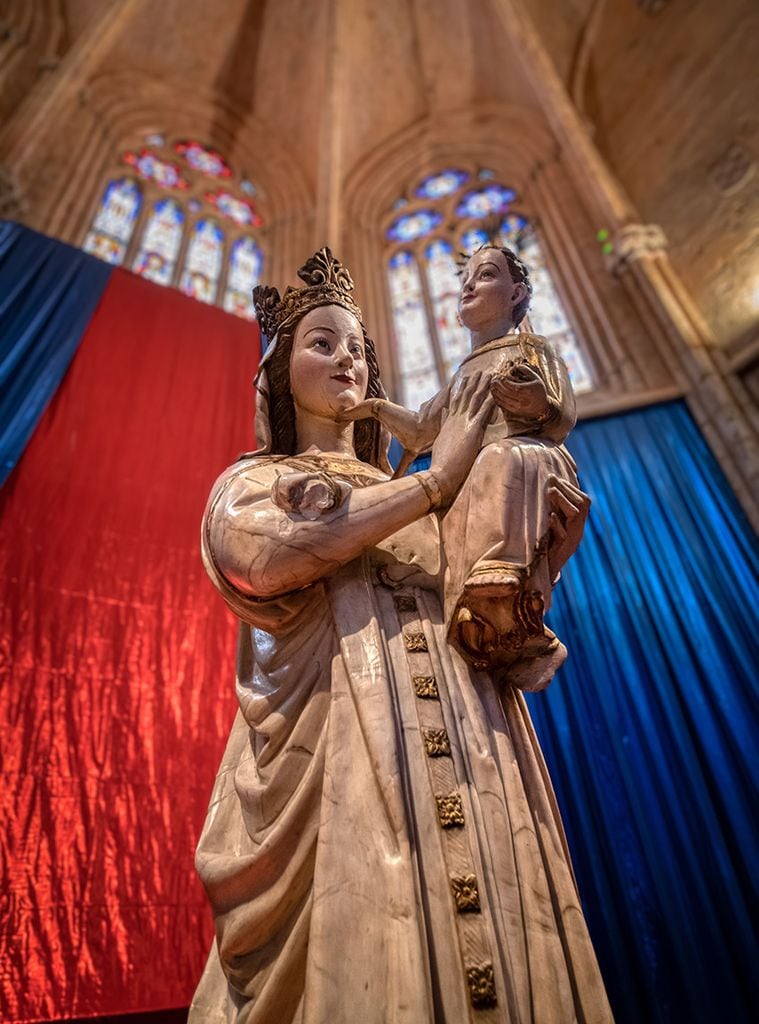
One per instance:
(521, 392)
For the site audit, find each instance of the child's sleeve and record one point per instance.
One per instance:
(561, 397)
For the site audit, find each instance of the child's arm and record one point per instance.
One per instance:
(415, 430)
(540, 396)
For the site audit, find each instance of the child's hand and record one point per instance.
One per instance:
(520, 392)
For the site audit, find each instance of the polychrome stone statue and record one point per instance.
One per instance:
(496, 534)
(383, 843)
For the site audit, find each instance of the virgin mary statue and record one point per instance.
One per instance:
(383, 842)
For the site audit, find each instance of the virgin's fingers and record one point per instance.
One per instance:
(469, 389)
(579, 500)
(557, 527)
(561, 501)
(567, 488)
(486, 409)
(483, 390)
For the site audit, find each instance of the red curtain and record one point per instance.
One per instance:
(116, 659)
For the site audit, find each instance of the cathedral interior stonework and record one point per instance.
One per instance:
(613, 144)
(626, 130)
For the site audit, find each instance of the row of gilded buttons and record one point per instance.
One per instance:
(480, 977)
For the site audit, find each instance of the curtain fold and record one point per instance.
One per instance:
(117, 664)
(116, 659)
(48, 293)
(650, 730)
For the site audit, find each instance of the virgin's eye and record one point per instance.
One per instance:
(356, 350)
(486, 273)
(320, 343)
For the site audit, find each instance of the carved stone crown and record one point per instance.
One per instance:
(327, 283)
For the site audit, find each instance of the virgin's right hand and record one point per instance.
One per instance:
(470, 409)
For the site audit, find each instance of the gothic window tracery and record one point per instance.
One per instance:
(449, 213)
(180, 217)
(114, 222)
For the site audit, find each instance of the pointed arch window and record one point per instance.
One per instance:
(420, 370)
(203, 264)
(182, 217)
(450, 212)
(160, 243)
(245, 264)
(114, 221)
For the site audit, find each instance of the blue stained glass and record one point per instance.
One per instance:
(511, 228)
(414, 225)
(244, 274)
(486, 174)
(114, 222)
(473, 239)
(416, 357)
(442, 184)
(203, 263)
(118, 209)
(484, 201)
(160, 242)
(443, 281)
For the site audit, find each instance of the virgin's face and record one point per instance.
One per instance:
(328, 371)
(488, 293)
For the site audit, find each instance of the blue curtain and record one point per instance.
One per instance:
(650, 730)
(48, 292)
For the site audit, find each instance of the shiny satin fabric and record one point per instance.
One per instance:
(650, 730)
(116, 660)
(48, 292)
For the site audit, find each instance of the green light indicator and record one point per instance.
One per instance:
(607, 248)
(602, 235)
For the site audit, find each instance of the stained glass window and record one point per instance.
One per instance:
(207, 161)
(462, 210)
(151, 167)
(473, 239)
(443, 281)
(238, 210)
(546, 312)
(114, 222)
(244, 274)
(203, 263)
(442, 184)
(183, 215)
(414, 225)
(160, 242)
(484, 201)
(418, 370)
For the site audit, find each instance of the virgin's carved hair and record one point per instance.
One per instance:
(284, 441)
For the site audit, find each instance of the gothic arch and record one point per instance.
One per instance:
(116, 111)
(532, 166)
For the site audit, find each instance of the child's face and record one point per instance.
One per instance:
(488, 293)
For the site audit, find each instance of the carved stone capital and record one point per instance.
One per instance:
(634, 242)
(11, 206)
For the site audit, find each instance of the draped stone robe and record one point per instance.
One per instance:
(383, 842)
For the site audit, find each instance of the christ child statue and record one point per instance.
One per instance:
(504, 536)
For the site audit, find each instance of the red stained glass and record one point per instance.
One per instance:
(202, 159)
(235, 209)
(153, 168)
